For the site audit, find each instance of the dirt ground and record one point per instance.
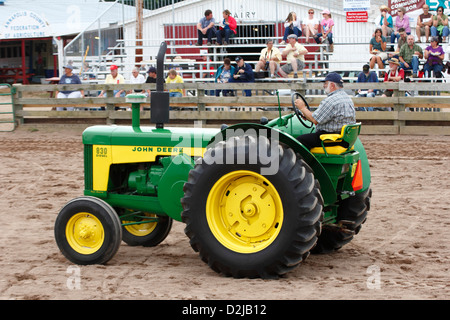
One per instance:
(402, 251)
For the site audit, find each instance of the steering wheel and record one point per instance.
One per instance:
(298, 113)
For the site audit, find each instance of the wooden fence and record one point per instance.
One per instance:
(213, 111)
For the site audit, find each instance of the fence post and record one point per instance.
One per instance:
(17, 107)
(397, 108)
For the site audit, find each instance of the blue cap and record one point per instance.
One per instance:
(238, 58)
(333, 77)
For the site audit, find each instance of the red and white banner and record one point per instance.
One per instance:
(409, 5)
(357, 16)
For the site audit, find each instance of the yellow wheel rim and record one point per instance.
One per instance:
(244, 211)
(141, 230)
(85, 233)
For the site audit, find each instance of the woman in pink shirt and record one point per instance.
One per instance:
(327, 28)
(401, 21)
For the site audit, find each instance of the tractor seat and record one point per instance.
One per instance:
(349, 134)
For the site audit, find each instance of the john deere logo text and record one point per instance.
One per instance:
(157, 149)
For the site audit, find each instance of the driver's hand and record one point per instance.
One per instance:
(300, 104)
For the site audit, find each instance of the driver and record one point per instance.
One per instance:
(335, 111)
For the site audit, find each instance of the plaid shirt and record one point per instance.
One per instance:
(334, 111)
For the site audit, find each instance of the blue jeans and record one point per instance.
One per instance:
(210, 33)
(175, 94)
(289, 31)
(329, 37)
(223, 33)
(414, 65)
(437, 70)
(396, 36)
(434, 32)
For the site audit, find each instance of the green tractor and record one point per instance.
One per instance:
(254, 200)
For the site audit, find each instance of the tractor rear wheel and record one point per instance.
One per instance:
(244, 223)
(352, 212)
(148, 234)
(88, 231)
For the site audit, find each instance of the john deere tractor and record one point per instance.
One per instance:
(255, 201)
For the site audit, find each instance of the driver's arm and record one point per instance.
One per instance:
(300, 104)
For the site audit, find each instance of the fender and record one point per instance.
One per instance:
(365, 165)
(326, 186)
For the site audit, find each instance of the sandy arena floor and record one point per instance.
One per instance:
(402, 251)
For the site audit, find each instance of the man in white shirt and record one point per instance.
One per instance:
(136, 78)
(295, 57)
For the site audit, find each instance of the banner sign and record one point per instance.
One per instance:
(356, 5)
(25, 24)
(357, 16)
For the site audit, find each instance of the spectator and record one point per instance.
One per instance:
(424, 23)
(243, 73)
(269, 59)
(136, 78)
(395, 74)
(435, 57)
(114, 78)
(295, 57)
(69, 78)
(327, 29)
(440, 24)
(377, 48)
(366, 76)
(311, 25)
(173, 77)
(385, 21)
(227, 29)
(401, 41)
(401, 21)
(206, 28)
(223, 75)
(409, 55)
(292, 25)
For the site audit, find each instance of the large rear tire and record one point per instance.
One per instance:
(88, 231)
(245, 224)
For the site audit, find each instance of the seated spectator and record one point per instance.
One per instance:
(327, 24)
(394, 74)
(385, 21)
(295, 57)
(440, 24)
(136, 78)
(173, 77)
(243, 73)
(409, 55)
(270, 59)
(424, 23)
(206, 28)
(366, 76)
(114, 78)
(435, 56)
(227, 28)
(223, 75)
(69, 78)
(292, 25)
(401, 21)
(377, 48)
(310, 25)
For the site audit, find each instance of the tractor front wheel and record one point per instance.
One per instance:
(88, 231)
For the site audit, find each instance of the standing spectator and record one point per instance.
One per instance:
(327, 29)
(114, 78)
(269, 59)
(366, 76)
(292, 25)
(69, 78)
(377, 48)
(243, 73)
(206, 28)
(310, 25)
(385, 21)
(440, 24)
(409, 55)
(223, 75)
(395, 74)
(173, 77)
(424, 23)
(401, 21)
(295, 57)
(228, 28)
(435, 57)
(136, 78)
